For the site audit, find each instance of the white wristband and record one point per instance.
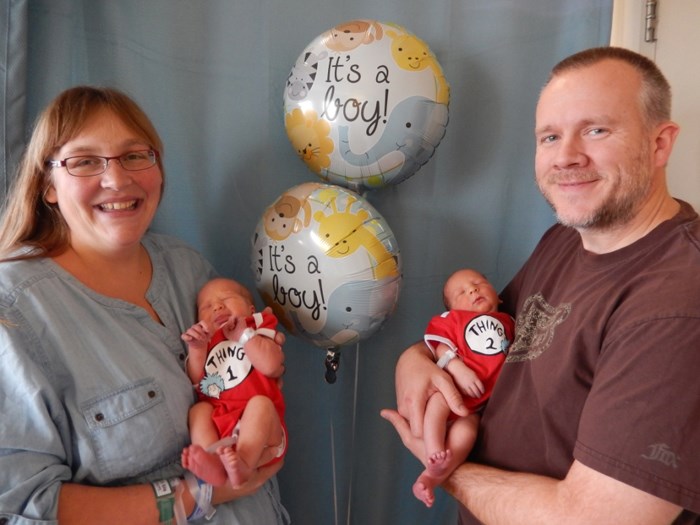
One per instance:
(247, 335)
(446, 358)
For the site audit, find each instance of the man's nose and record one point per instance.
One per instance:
(570, 153)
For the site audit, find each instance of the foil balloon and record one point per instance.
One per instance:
(366, 104)
(327, 264)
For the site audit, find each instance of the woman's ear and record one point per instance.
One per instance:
(49, 196)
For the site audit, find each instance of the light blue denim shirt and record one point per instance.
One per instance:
(93, 390)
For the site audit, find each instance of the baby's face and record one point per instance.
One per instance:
(469, 290)
(220, 300)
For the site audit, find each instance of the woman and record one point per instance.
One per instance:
(92, 389)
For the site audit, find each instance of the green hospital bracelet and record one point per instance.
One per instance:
(165, 500)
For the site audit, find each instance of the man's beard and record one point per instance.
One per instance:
(622, 203)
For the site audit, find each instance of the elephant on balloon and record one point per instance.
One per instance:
(414, 128)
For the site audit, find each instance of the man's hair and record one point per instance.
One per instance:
(655, 95)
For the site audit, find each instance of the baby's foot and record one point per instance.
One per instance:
(238, 470)
(438, 462)
(423, 490)
(206, 466)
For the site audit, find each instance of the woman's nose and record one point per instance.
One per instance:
(115, 177)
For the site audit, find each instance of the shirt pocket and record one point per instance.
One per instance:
(131, 431)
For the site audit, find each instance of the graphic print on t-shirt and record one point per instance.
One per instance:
(226, 367)
(534, 328)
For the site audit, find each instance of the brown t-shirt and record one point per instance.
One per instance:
(605, 364)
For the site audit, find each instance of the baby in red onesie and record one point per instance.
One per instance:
(471, 335)
(235, 366)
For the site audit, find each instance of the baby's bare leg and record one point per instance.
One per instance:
(205, 465)
(260, 431)
(440, 463)
(437, 413)
(203, 432)
(436, 453)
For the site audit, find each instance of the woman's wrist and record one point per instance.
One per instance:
(169, 501)
(187, 500)
(180, 500)
(201, 493)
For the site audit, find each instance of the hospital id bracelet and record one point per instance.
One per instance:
(164, 490)
(446, 358)
(247, 335)
(202, 493)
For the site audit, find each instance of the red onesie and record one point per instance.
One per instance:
(480, 340)
(230, 380)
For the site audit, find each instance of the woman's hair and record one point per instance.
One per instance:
(655, 95)
(29, 226)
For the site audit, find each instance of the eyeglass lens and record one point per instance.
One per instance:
(87, 165)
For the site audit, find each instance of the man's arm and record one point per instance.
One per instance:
(585, 496)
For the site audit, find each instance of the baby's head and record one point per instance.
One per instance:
(220, 299)
(469, 290)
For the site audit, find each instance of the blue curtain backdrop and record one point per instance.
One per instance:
(211, 75)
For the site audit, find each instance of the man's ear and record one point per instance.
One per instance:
(666, 134)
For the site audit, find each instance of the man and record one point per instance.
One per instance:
(596, 415)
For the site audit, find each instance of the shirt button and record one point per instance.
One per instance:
(98, 417)
(151, 394)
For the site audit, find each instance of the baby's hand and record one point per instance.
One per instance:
(466, 379)
(196, 333)
(233, 329)
(475, 388)
(196, 337)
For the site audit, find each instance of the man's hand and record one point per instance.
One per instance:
(414, 444)
(417, 378)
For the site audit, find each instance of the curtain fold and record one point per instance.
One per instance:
(13, 82)
(211, 75)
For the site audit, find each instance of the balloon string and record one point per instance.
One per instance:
(354, 415)
(352, 445)
(335, 486)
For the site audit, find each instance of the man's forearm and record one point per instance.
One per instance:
(500, 497)
(585, 496)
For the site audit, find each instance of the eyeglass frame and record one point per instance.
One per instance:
(62, 163)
